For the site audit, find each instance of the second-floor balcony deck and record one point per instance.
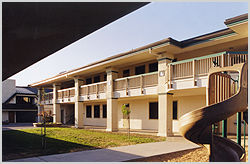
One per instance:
(185, 74)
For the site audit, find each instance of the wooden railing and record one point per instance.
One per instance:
(137, 81)
(66, 93)
(95, 88)
(191, 68)
(48, 96)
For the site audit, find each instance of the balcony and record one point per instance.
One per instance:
(94, 91)
(185, 74)
(138, 85)
(66, 95)
(193, 72)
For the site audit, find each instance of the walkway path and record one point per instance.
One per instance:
(118, 154)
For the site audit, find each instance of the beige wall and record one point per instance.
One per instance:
(139, 116)
(187, 104)
(5, 116)
(94, 121)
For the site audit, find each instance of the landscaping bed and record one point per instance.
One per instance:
(27, 142)
(47, 125)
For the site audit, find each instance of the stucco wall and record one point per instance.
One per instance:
(8, 89)
(5, 116)
(94, 121)
(139, 116)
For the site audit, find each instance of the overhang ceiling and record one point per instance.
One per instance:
(34, 30)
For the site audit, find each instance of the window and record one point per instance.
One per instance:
(89, 81)
(153, 110)
(105, 77)
(88, 111)
(104, 111)
(97, 79)
(126, 73)
(174, 110)
(140, 70)
(153, 67)
(24, 100)
(97, 111)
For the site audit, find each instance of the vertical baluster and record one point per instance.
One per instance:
(194, 73)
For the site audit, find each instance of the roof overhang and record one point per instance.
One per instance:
(167, 46)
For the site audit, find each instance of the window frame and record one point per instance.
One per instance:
(95, 111)
(87, 111)
(157, 110)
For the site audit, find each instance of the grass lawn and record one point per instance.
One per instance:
(27, 142)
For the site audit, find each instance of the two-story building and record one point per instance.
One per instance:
(160, 82)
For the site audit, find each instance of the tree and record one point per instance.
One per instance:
(126, 114)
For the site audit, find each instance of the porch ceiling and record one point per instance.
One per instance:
(35, 30)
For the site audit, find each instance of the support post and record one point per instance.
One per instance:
(224, 128)
(239, 128)
(112, 102)
(39, 107)
(165, 100)
(56, 106)
(78, 105)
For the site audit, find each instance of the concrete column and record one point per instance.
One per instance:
(56, 106)
(112, 102)
(165, 100)
(78, 104)
(39, 107)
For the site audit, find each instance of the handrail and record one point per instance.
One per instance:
(134, 76)
(197, 58)
(209, 56)
(103, 82)
(66, 89)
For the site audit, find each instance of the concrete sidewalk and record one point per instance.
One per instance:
(118, 154)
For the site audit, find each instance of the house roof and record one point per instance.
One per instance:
(26, 90)
(169, 40)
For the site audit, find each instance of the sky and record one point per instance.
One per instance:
(151, 23)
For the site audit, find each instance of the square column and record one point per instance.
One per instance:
(39, 106)
(78, 105)
(112, 102)
(56, 106)
(165, 99)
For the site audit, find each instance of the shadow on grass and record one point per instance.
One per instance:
(18, 144)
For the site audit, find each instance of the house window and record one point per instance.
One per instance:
(104, 111)
(97, 79)
(97, 111)
(174, 110)
(126, 73)
(153, 110)
(105, 77)
(88, 111)
(153, 67)
(140, 70)
(89, 81)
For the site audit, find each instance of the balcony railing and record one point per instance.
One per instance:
(95, 88)
(66, 93)
(191, 68)
(137, 81)
(48, 96)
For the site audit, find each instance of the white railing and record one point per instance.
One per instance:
(66, 93)
(137, 81)
(94, 88)
(191, 68)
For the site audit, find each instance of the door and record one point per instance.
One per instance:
(11, 117)
(62, 116)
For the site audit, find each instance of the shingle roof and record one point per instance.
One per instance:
(24, 90)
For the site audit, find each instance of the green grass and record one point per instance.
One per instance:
(27, 142)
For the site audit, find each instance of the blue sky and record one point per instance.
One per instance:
(151, 23)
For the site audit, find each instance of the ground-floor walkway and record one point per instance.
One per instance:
(15, 126)
(118, 154)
